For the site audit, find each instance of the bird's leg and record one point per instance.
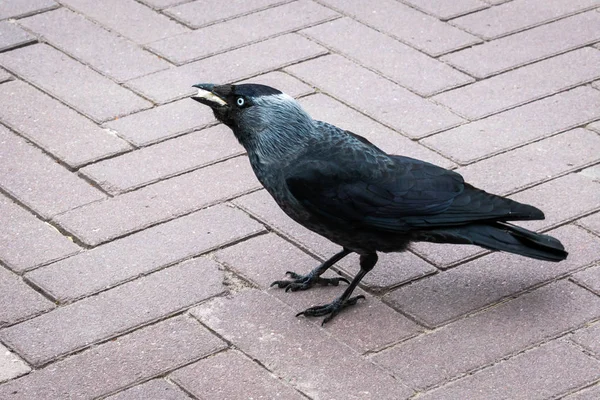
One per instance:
(303, 282)
(367, 262)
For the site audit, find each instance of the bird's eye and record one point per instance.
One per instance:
(240, 101)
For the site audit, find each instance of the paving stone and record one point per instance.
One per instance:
(589, 338)
(56, 128)
(161, 4)
(129, 18)
(571, 150)
(592, 173)
(518, 15)
(26, 242)
(592, 393)
(258, 58)
(154, 389)
(11, 366)
(555, 199)
(282, 81)
(592, 223)
(486, 337)
(205, 12)
(119, 363)
(105, 51)
(445, 255)
(500, 132)
(541, 373)
(392, 268)
(474, 285)
(77, 85)
(235, 33)
(421, 31)
(41, 183)
(162, 122)
(4, 76)
(11, 35)
(114, 312)
(264, 259)
(285, 345)
(401, 63)
(446, 9)
(165, 159)
(228, 374)
(597, 83)
(594, 126)
(523, 85)
(18, 302)
(154, 248)
(324, 108)
(589, 278)
(374, 95)
(102, 221)
(21, 8)
(526, 47)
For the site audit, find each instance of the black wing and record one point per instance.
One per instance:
(395, 194)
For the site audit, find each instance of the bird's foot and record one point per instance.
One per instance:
(332, 308)
(303, 282)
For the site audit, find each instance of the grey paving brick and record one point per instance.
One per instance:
(258, 58)
(161, 4)
(592, 223)
(596, 84)
(518, 15)
(526, 47)
(4, 76)
(541, 373)
(102, 221)
(56, 128)
(592, 173)
(594, 126)
(327, 109)
(119, 363)
(501, 132)
(11, 35)
(162, 122)
(445, 255)
(18, 301)
(407, 24)
(282, 81)
(376, 96)
(484, 338)
(472, 286)
(26, 242)
(199, 13)
(165, 159)
(571, 150)
(105, 51)
(129, 18)
(21, 8)
(401, 63)
(592, 393)
(41, 183)
(523, 85)
(77, 85)
(154, 389)
(446, 9)
(392, 268)
(555, 198)
(589, 278)
(264, 259)
(11, 366)
(235, 33)
(285, 345)
(154, 248)
(228, 374)
(114, 312)
(589, 338)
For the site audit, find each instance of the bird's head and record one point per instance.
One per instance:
(262, 118)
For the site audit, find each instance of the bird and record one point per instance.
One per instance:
(340, 185)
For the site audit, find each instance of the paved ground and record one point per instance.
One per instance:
(137, 247)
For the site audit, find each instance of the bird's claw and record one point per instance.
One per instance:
(303, 282)
(332, 308)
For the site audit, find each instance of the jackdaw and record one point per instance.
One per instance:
(341, 186)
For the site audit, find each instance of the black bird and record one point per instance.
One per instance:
(340, 185)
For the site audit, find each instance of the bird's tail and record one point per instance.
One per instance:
(513, 239)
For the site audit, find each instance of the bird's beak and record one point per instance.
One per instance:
(206, 96)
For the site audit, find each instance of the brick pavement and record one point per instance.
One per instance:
(137, 246)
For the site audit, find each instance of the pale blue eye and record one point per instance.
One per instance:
(240, 101)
